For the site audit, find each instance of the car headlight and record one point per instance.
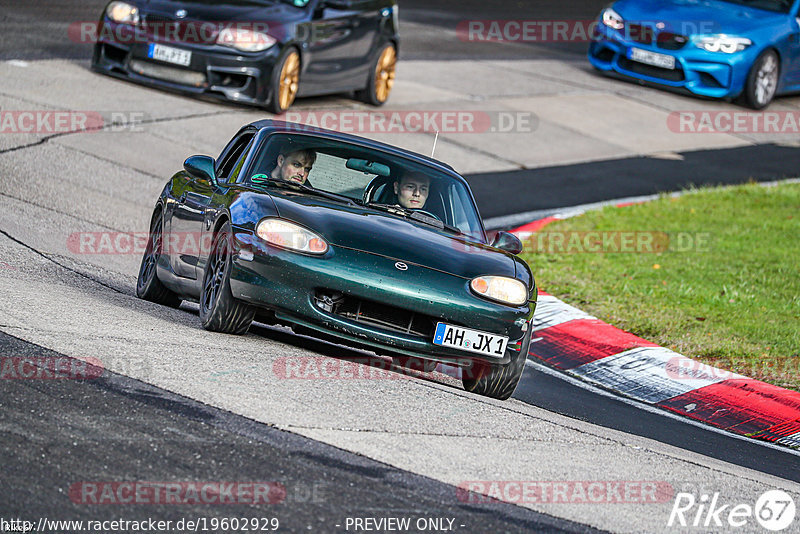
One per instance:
(245, 39)
(723, 43)
(289, 235)
(612, 19)
(122, 12)
(501, 289)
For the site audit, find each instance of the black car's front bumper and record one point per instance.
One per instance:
(214, 70)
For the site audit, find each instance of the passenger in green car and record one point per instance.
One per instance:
(412, 190)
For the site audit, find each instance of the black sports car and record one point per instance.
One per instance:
(261, 52)
(346, 238)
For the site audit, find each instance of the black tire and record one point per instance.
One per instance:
(380, 78)
(496, 381)
(148, 286)
(415, 364)
(762, 81)
(285, 76)
(219, 311)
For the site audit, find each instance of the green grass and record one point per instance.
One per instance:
(725, 291)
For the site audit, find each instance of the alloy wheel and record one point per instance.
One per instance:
(385, 73)
(289, 80)
(216, 274)
(151, 255)
(767, 80)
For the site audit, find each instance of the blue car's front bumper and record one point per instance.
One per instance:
(714, 75)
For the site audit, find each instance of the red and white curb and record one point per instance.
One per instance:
(582, 346)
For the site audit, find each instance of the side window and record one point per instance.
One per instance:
(230, 167)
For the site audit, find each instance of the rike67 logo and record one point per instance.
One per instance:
(774, 510)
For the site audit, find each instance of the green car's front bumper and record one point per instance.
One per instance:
(379, 305)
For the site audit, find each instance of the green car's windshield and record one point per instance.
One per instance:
(364, 176)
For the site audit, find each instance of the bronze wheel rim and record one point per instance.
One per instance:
(289, 80)
(384, 73)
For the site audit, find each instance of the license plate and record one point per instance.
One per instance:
(652, 58)
(169, 54)
(484, 343)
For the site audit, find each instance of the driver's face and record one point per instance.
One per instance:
(294, 167)
(412, 191)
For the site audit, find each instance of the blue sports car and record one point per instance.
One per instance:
(712, 48)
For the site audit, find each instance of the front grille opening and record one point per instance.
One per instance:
(230, 80)
(165, 29)
(672, 75)
(114, 53)
(710, 81)
(170, 74)
(671, 41)
(376, 314)
(605, 54)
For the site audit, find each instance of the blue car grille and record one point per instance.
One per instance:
(672, 75)
(671, 41)
(639, 33)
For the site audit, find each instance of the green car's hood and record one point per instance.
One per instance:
(391, 236)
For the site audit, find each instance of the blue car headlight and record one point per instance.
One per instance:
(722, 43)
(612, 19)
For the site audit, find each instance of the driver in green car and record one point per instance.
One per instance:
(412, 190)
(294, 165)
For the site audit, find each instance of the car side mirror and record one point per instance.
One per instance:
(201, 167)
(508, 242)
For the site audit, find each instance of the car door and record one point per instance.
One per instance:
(331, 37)
(368, 16)
(792, 53)
(189, 216)
(233, 162)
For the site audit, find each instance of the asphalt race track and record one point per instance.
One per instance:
(169, 403)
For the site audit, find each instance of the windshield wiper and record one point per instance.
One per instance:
(415, 215)
(285, 184)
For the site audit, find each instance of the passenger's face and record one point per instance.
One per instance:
(412, 191)
(294, 167)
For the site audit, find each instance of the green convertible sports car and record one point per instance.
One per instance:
(350, 239)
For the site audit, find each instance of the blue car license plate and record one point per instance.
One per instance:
(491, 345)
(652, 58)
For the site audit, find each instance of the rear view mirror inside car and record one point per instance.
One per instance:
(370, 167)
